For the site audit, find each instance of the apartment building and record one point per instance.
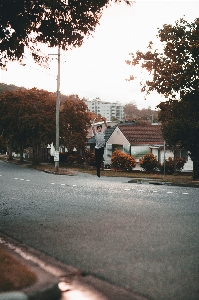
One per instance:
(111, 111)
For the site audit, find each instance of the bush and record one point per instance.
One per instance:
(172, 165)
(62, 157)
(122, 161)
(89, 158)
(149, 163)
(75, 158)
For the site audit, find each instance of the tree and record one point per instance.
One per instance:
(177, 68)
(74, 119)
(175, 74)
(180, 125)
(146, 114)
(27, 117)
(31, 23)
(7, 87)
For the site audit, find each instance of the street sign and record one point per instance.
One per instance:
(56, 156)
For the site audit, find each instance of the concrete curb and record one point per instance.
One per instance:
(156, 182)
(47, 269)
(56, 279)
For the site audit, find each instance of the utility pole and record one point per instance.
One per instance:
(164, 160)
(56, 157)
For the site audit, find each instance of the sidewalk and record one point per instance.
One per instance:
(58, 281)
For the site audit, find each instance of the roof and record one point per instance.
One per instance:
(142, 134)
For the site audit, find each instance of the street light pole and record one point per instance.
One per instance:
(57, 114)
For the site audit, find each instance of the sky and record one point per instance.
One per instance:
(98, 68)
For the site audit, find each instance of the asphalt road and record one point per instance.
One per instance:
(142, 237)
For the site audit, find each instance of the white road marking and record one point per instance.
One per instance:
(126, 189)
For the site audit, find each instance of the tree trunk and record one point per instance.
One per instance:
(21, 153)
(10, 149)
(196, 168)
(36, 153)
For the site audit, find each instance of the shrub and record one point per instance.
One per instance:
(149, 163)
(122, 161)
(89, 158)
(74, 158)
(63, 157)
(172, 165)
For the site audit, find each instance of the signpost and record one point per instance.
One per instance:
(56, 156)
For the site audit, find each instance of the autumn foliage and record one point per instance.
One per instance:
(74, 119)
(27, 119)
(149, 162)
(122, 161)
(174, 73)
(172, 165)
(51, 22)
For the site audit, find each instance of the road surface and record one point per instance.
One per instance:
(142, 237)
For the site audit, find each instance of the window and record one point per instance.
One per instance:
(181, 154)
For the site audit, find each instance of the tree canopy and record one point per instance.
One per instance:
(26, 118)
(175, 74)
(74, 119)
(30, 23)
(8, 87)
(141, 116)
(180, 125)
(176, 68)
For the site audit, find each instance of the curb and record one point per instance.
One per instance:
(156, 182)
(47, 269)
(56, 279)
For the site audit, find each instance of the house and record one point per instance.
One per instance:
(138, 140)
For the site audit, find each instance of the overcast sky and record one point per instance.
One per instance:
(98, 68)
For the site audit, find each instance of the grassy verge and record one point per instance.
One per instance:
(178, 178)
(13, 275)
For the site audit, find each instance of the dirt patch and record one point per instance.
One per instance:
(13, 275)
(62, 171)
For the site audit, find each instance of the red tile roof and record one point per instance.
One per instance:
(137, 134)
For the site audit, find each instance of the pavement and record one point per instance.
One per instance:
(58, 281)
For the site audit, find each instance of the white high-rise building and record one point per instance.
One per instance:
(111, 111)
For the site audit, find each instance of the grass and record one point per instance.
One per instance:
(178, 178)
(14, 275)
